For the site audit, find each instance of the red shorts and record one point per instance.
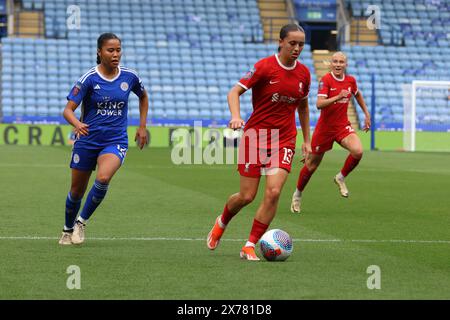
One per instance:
(256, 163)
(323, 139)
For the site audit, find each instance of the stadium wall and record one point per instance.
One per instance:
(61, 135)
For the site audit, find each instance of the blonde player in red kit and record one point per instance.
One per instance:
(280, 86)
(335, 90)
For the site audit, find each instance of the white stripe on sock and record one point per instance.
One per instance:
(82, 220)
(221, 224)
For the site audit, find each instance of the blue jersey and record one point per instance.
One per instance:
(105, 106)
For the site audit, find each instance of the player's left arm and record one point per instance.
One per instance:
(141, 134)
(359, 98)
(141, 93)
(303, 115)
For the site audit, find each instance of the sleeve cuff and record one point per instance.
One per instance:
(241, 85)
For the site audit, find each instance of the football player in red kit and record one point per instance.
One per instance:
(280, 86)
(335, 91)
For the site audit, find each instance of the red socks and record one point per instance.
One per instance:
(350, 164)
(258, 229)
(227, 215)
(303, 178)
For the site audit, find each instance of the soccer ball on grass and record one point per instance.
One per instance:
(276, 245)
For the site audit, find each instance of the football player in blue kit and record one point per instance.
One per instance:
(101, 132)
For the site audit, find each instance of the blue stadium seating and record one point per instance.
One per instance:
(170, 55)
(420, 51)
(188, 66)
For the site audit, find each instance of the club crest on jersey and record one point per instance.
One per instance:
(76, 158)
(124, 86)
(249, 74)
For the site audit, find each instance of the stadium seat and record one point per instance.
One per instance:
(180, 58)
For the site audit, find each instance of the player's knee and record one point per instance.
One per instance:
(103, 179)
(312, 166)
(273, 194)
(247, 198)
(358, 153)
(76, 194)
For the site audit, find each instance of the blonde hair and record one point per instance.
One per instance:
(328, 62)
(339, 53)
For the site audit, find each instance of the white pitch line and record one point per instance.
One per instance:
(240, 240)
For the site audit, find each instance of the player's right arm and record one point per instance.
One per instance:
(76, 95)
(80, 127)
(251, 78)
(323, 102)
(236, 121)
(324, 90)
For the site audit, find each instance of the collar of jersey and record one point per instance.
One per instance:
(106, 79)
(332, 74)
(283, 66)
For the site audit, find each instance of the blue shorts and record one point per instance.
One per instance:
(86, 159)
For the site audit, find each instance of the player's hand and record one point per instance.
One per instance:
(344, 94)
(141, 137)
(81, 129)
(236, 123)
(367, 123)
(306, 150)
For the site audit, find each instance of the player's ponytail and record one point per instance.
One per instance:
(288, 28)
(104, 37)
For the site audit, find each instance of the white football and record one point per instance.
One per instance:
(276, 245)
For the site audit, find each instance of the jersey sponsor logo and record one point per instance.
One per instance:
(124, 86)
(277, 98)
(273, 82)
(110, 108)
(97, 87)
(250, 74)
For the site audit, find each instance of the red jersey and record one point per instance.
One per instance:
(335, 115)
(276, 94)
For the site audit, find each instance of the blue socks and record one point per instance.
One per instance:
(94, 198)
(72, 207)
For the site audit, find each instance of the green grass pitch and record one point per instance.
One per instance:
(147, 239)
